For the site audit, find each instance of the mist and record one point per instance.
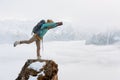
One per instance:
(96, 14)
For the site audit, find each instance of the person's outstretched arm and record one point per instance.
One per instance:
(51, 25)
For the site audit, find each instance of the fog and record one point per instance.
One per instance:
(96, 14)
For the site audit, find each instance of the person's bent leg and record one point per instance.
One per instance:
(38, 49)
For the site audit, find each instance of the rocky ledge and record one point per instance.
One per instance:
(35, 69)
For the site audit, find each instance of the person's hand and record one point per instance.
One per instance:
(59, 23)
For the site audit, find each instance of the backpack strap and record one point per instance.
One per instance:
(42, 45)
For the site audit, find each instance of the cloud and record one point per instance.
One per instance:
(90, 13)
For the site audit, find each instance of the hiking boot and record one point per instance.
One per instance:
(38, 57)
(16, 43)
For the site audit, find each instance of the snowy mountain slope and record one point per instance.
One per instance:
(12, 30)
(104, 38)
(15, 30)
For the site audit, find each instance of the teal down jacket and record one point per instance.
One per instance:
(45, 27)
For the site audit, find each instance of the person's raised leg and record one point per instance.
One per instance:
(25, 41)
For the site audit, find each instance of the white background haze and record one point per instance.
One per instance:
(85, 22)
(95, 14)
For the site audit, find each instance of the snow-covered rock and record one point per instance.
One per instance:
(39, 70)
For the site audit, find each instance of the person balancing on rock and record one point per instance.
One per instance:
(39, 31)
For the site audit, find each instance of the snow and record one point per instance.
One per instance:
(42, 73)
(37, 66)
(32, 78)
(75, 60)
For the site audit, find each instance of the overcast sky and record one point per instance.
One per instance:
(83, 12)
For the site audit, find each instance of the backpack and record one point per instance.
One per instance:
(38, 26)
